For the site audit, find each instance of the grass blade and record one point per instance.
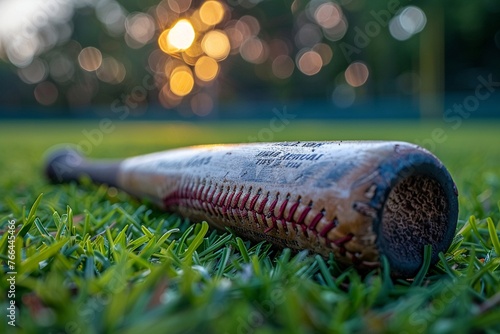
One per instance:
(31, 264)
(243, 250)
(473, 224)
(417, 281)
(198, 240)
(28, 223)
(493, 235)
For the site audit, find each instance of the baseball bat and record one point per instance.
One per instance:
(357, 199)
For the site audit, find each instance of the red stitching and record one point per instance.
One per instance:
(293, 209)
(237, 198)
(254, 200)
(254, 216)
(188, 190)
(220, 202)
(274, 203)
(245, 199)
(316, 220)
(340, 241)
(216, 199)
(205, 194)
(211, 209)
(262, 220)
(200, 190)
(263, 204)
(330, 226)
(303, 215)
(282, 208)
(229, 200)
(273, 225)
(191, 190)
(211, 195)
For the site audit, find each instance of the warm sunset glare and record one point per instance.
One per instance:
(181, 81)
(216, 44)
(73, 53)
(212, 12)
(206, 68)
(181, 36)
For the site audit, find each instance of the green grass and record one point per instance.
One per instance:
(90, 259)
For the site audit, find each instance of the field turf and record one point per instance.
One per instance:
(90, 259)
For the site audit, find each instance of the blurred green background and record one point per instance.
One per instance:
(193, 59)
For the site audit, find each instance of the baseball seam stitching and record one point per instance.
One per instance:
(221, 201)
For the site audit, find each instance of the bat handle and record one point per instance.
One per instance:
(66, 165)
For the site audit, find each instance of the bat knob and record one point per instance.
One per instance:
(66, 164)
(63, 164)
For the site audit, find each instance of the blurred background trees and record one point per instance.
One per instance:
(193, 57)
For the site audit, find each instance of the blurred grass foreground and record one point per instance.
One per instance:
(216, 59)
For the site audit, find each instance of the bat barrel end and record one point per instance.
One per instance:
(420, 209)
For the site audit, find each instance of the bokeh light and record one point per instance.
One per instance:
(206, 68)
(337, 32)
(308, 35)
(90, 58)
(21, 52)
(112, 15)
(328, 15)
(410, 21)
(140, 28)
(249, 25)
(194, 39)
(28, 28)
(202, 104)
(356, 74)
(181, 36)
(310, 63)
(253, 50)
(278, 47)
(163, 43)
(215, 44)
(324, 51)
(167, 98)
(199, 26)
(235, 37)
(283, 66)
(46, 93)
(111, 71)
(62, 68)
(181, 81)
(343, 96)
(212, 12)
(179, 6)
(172, 64)
(34, 72)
